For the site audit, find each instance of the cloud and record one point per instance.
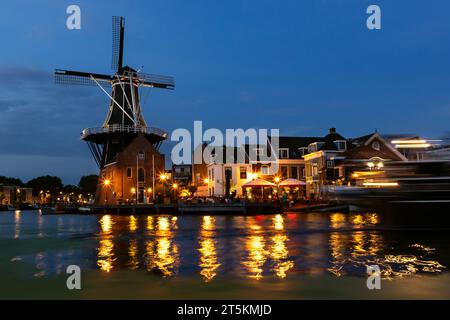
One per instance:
(38, 117)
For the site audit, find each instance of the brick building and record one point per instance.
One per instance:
(136, 172)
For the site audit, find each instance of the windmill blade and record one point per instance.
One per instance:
(80, 78)
(118, 27)
(156, 81)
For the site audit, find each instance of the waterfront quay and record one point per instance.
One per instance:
(191, 209)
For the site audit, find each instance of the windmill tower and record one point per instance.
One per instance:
(125, 149)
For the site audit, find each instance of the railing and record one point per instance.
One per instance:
(123, 128)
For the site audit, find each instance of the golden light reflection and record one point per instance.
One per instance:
(365, 244)
(372, 218)
(149, 223)
(163, 226)
(133, 224)
(133, 262)
(17, 217)
(106, 256)
(106, 223)
(358, 219)
(208, 259)
(337, 247)
(279, 254)
(367, 219)
(337, 220)
(164, 258)
(161, 254)
(208, 253)
(278, 222)
(256, 256)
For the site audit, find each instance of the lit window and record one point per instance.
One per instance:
(243, 172)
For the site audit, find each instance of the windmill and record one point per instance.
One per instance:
(124, 121)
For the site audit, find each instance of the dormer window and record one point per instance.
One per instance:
(303, 151)
(284, 153)
(341, 145)
(313, 147)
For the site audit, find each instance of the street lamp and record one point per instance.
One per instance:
(106, 184)
(175, 187)
(133, 191)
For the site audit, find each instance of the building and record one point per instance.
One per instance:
(182, 174)
(134, 174)
(320, 161)
(15, 194)
(365, 159)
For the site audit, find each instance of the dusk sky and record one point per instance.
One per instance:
(300, 66)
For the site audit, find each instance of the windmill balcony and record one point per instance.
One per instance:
(91, 134)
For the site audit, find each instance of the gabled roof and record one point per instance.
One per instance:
(363, 149)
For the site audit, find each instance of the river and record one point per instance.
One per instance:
(304, 255)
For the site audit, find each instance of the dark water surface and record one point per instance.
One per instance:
(253, 248)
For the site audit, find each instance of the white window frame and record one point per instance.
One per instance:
(280, 153)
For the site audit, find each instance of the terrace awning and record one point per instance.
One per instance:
(258, 183)
(292, 183)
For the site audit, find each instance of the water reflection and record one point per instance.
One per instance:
(133, 224)
(261, 246)
(106, 223)
(16, 224)
(279, 254)
(256, 256)
(162, 254)
(133, 262)
(208, 261)
(106, 256)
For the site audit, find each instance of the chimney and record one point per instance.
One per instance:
(332, 130)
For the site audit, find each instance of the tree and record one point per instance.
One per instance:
(68, 188)
(11, 181)
(88, 184)
(52, 184)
